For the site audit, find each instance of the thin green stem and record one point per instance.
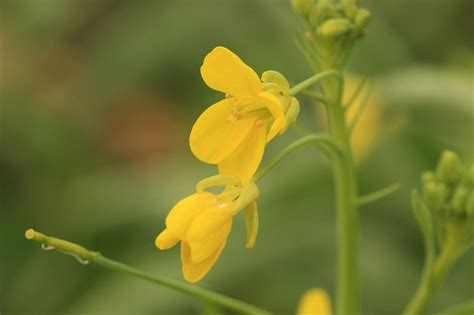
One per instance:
(315, 95)
(315, 79)
(347, 217)
(360, 109)
(464, 308)
(86, 256)
(323, 141)
(377, 195)
(433, 275)
(356, 93)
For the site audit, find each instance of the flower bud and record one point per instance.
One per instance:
(362, 18)
(427, 177)
(318, 13)
(435, 195)
(449, 167)
(350, 10)
(335, 27)
(458, 201)
(302, 7)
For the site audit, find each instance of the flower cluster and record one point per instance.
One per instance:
(232, 134)
(332, 29)
(448, 193)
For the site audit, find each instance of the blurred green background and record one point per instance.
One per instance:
(97, 99)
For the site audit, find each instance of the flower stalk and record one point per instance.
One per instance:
(347, 217)
(86, 256)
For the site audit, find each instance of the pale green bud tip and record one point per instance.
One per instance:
(301, 7)
(30, 234)
(449, 167)
(362, 18)
(335, 27)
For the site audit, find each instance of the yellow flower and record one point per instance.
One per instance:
(315, 302)
(203, 220)
(233, 132)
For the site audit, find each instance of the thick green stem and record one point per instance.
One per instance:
(347, 217)
(86, 256)
(433, 274)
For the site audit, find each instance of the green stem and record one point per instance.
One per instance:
(377, 195)
(347, 217)
(86, 256)
(315, 79)
(433, 274)
(323, 141)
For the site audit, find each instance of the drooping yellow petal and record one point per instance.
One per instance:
(224, 71)
(214, 136)
(194, 272)
(166, 240)
(251, 222)
(185, 211)
(244, 161)
(208, 232)
(314, 302)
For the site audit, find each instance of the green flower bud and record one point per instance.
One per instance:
(318, 13)
(335, 27)
(458, 201)
(362, 18)
(427, 177)
(435, 195)
(449, 167)
(350, 10)
(302, 7)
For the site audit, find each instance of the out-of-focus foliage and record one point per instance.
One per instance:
(97, 99)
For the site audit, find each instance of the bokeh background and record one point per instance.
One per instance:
(97, 99)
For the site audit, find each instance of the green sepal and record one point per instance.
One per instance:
(251, 222)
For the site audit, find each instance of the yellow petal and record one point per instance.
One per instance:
(224, 71)
(166, 240)
(185, 211)
(214, 137)
(194, 272)
(251, 222)
(314, 302)
(208, 232)
(244, 161)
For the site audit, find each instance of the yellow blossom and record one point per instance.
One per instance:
(314, 302)
(233, 132)
(203, 221)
